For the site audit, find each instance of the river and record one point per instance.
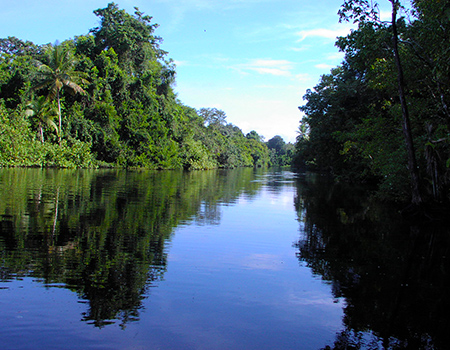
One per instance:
(220, 259)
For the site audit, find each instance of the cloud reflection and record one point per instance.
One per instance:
(263, 262)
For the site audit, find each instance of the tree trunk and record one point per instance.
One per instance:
(416, 196)
(59, 117)
(41, 132)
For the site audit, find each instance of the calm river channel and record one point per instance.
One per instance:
(220, 259)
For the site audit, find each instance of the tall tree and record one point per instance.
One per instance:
(406, 125)
(277, 143)
(59, 73)
(131, 37)
(213, 116)
(253, 135)
(364, 11)
(14, 46)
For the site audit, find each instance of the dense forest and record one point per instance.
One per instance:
(107, 99)
(383, 115)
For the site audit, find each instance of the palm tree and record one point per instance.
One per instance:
(44, 112)
(58, 73)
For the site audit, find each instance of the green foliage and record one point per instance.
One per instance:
(16, 67)
(21, 146)
(17, 147)
(43, 112)
(213, 117)
(280, 152)
(57, 73)
(195, 156)
(115, 103)
(353, 119)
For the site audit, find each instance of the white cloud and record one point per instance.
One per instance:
(323, 33)
(300, 49)
(336, 56)
(263, 262)
(303, 77)
(271, 63)
(271, 71)
(180, 63)
(324, 66)
(386, 15)
(267, 66)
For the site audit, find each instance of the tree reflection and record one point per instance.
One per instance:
(103, 233)
(394, 276)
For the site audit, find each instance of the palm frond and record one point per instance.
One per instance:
(74, 86)
(59, 72)
(52, 124)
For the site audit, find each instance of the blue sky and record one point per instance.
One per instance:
(254, 59)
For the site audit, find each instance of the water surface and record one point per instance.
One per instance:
(111, 259)
(223, 259)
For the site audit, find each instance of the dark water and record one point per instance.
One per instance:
(239, 259)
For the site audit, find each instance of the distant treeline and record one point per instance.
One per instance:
(383, 115)
(106, 99)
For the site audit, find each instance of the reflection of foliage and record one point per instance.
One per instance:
(102, 233)
(394, 277)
